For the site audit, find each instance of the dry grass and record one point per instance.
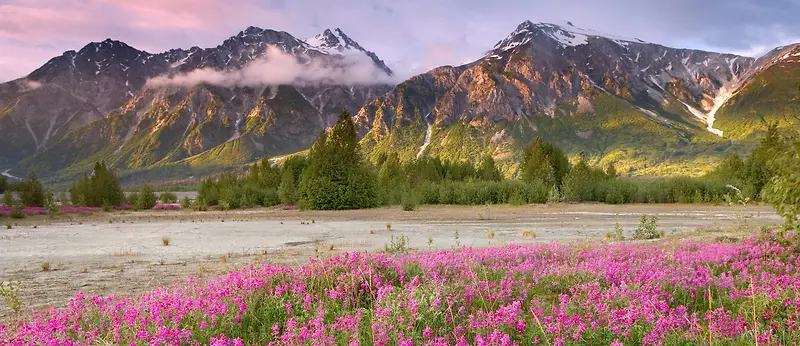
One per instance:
(165, 241)
(45, 266)
(529, 235)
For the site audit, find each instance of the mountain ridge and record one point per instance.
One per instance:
(650, 108)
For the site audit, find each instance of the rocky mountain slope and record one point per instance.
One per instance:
(100, 102)
(647, 108)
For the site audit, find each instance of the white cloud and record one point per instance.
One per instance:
(28, 85)
(279, 68)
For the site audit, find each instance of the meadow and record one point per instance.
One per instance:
(669, 292)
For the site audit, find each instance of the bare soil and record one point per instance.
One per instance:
(124, 253)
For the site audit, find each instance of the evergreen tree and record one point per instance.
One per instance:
(3, 184)
(147, 198)
(488, 169)
(759, 167)
(582, 181)
(31, 192)
(336, 177)
(287, 191)
(545, 163)
(99, 189)
(784, 188)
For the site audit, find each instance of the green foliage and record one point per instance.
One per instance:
(287, 191)
(336, 177)
(545, 163)
(99, 189)
(17, 213)
(8, 198)
(3, 183)
(168, 197)
(31, 192)
(488, 170)
(580, 184)
(482, 192)
(617, 235)
(147, 198)
(10, 292)
(396, 245)
(409, 202)
(648, 229)
(133, 198)
(784, 190)
(186, 203)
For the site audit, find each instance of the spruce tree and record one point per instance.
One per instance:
(488, 169)
(31, 192)
(336, 177)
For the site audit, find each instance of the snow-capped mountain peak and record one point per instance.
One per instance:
(565, 35)
(334, 42)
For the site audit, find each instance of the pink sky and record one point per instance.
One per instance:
(410, 35)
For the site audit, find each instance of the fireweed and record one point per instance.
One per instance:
(561, 294)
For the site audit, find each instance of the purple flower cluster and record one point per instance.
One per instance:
(6, 211)
(548, 294)
(123, 207)
(168, 206)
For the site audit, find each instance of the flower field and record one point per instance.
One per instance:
(670, 293)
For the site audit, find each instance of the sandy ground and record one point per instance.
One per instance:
(123, 253)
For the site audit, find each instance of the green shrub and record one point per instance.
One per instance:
(648, 229)
(186, 203)
(8, 199)
(409, 202)
(17, 213)
(147, 198)
(133, 199)
(168, 197)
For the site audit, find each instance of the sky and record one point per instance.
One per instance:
(411, 36)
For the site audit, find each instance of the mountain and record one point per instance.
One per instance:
(649, 109)
(96, 104)
(646, 108)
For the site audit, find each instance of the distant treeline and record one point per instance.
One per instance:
(335, 176)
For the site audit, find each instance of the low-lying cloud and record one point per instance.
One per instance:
(29, 85)
(280, 68)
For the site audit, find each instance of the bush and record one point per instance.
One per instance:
(17, 213)
(186, 202)
(409, 202)
(133, 198)
(8, 199)
(168, 198)
(147, 198)
(648, 229)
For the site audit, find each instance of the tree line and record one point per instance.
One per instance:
(335, 176)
